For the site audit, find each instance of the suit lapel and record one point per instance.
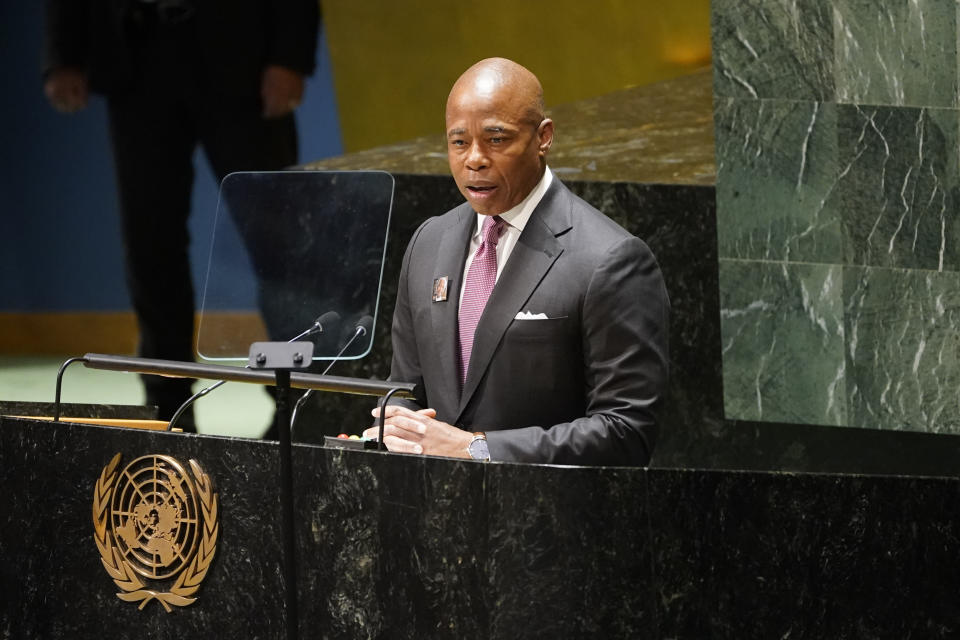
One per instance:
(535, 252)
(451, 255)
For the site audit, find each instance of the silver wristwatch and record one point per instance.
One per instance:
(478, 448)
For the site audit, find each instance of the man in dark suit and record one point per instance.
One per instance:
(222, 74)
(536, 326)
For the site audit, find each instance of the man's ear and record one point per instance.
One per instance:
(545, 136)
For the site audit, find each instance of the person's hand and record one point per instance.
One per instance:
(281, 90)
(407, 431)
(66, 89)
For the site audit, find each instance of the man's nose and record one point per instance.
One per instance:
(477, 158)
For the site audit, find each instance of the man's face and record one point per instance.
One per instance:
(496, 153)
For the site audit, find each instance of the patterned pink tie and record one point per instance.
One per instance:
(479, 283)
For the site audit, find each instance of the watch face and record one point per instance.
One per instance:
(478, 449)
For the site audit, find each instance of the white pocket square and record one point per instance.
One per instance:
(526, 315)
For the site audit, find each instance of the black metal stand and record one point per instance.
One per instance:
(56, 397)
(383, 419)
(282, 357)
(286, 501)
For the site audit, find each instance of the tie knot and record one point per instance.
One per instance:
(492, 228)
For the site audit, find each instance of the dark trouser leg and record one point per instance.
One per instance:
(237, 138)
(153, 142)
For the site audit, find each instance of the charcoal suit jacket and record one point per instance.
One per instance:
(578, 386)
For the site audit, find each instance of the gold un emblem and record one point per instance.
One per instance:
(155, 525)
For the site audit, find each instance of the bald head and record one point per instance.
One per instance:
(501, 80)
(497, 134)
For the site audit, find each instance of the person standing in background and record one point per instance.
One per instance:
(226, 75)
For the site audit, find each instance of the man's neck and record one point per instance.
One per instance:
(518, 215)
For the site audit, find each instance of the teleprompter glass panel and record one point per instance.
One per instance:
(289, 249)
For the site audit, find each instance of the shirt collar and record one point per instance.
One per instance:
(518, 216)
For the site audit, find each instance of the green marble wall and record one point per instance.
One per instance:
(838, 181)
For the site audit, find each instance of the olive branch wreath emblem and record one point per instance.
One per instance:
(133, 589)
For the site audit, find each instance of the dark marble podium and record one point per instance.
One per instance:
(392, 546)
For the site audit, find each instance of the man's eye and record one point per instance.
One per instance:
(457, 143)
(496, 140)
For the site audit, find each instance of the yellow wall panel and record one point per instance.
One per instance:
(394, 60)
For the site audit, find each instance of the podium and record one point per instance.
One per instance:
(397, 546)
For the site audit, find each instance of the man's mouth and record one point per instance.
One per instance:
(480, 190)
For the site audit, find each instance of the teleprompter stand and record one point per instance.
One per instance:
(281, 358)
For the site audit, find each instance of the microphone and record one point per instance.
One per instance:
(328, 319)
(363, 327)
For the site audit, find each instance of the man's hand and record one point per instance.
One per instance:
(66, 89)
(407, 431)
(281, 90)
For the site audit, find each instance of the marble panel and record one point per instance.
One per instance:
(365, 520)
(48, 473)
(783, 337)
(809, 448)
(903, 349)
(538, 553)
(804, 556)
(764, 49)
(896, 53)
(898, 186)
(776, 169)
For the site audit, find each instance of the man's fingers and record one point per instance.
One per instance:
(409, 426)
(62, 99)
(78, 97)
(271, 109)
(399, 445)
(395, 442)
(276, 102)
(281, 90)
(393, 409)
(390, 411)
(398, 431)
(409, 423)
